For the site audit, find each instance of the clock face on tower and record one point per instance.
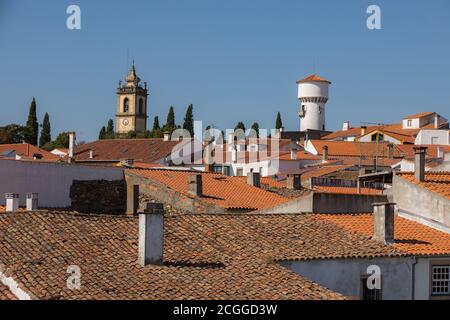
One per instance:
(125, 122)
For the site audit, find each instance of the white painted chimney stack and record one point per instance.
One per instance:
(440, 152)
(346, 126)
(293, 154)
(436, 121)
(12, 202)
(166, 136)
(72, 138)
(32, 201)
(151, 235)
(254, 179)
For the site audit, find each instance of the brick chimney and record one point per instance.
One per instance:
(325, 153)
(294, 181)
(12, 202)
(195, 185)
(151, 235)
(254, 179)
(419, 163)
(32, 201)
(383, 222)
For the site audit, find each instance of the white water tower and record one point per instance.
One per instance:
(313, 95)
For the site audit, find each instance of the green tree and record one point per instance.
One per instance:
(170, 125)
(12, 133)
(46, 136)
(255, 127)
(110, 130)
(189, 120)
(156, 124)
(32, 125)
(278, 122)
(102, 134)
(62, 141)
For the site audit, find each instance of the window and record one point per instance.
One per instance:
(434, 140)
(409, 123)
(126, 106)
(440, 280)
(239, 172)
(369, 294)
(141, 106)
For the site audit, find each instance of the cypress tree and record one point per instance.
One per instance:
(170, 123)
(102, 134)
(32, 125)
(278, 122)
(240, 125)
(156, 124)
(110, 130)
(46, 131)
(189, 120)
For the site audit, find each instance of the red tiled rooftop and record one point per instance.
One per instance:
(27, 151)
(347, 190)
(409, 236)
(6, 294)
(224, 191)
(438, 182)
(313, 77)
(419, 115)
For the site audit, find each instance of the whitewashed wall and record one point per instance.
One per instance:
(51, 180)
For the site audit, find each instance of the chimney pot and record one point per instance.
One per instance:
(166, 136)
(254, 179)
(151, 235)
(440, 152)
(294, 181)
(195, 185)
(32, 201)
(72, 138)
(12, 202)
(436, 121)
(383, 222)
(419, 163)
(363, 130)
(293, 154)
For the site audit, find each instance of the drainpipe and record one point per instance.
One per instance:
(413, 283)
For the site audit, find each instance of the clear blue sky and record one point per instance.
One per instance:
(234, 60)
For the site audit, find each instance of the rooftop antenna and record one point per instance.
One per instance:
(314, 65)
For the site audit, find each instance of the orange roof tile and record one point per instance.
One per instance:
(27, 151)
(313, 77)
(354, 148)
(409, 236)
(438, 182)
(419, 115)
(5, 294)
(346, 190)
(224, 191)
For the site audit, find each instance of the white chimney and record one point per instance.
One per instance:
(383, 222)
(72, 138)
(436, 121)
(166, 136)
(293, 154)
(12, 202)
(233, 154)
(91, 154)
(32, 201)
(346, 126)
(151, 235)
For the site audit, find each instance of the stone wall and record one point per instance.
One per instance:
(98, 196)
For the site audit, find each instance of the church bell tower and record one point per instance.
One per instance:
(131, 104)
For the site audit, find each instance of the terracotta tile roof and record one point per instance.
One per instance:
(5, 294)
(351, 132)
(313, 77)
(346, 190)
(403, 136)
(37, 248)
(419, 115)
(27, 151)
(350, 148)
(224, 191)
(438, 182)
(409, 236)
(365, 161)
(141, 150)
(408, 149)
